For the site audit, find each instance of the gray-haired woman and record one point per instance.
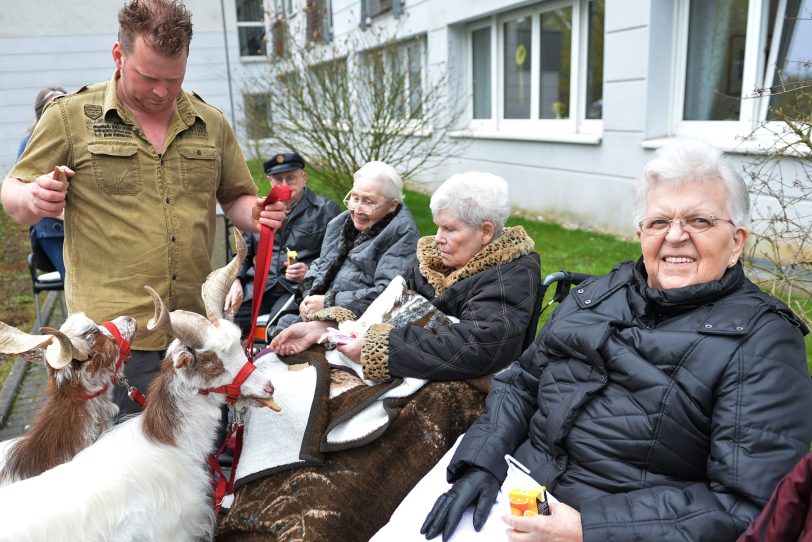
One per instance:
(662, 401)
(364, 248)
(474, 269)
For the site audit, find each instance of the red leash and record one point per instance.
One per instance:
(233, 442)
(262, 263)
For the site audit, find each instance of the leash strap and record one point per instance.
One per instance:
(220, 484)
(262, 264)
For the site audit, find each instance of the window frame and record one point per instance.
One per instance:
(534, 127)
(401, 50)
(753, 111)
(263, 24)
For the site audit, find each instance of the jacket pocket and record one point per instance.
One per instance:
(199, 167)
(116, 168)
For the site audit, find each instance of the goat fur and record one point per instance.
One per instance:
(66, 424)
(146, 478)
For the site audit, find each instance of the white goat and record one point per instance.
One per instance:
(147, 478)
(81, 360)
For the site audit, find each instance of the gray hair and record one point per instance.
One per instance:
(474, 197)
(385, 175)
(690, 160)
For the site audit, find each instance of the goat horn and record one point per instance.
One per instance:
(14, 341)
(161, 318)
(218, 283)
(61, 351)
(187, 326)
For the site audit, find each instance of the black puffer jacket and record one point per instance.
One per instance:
(659, 415)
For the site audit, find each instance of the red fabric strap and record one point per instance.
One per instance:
(123, 345)
(232, 390)
(262, 264)
(223, 487)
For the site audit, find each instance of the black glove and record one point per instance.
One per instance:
(477, 486)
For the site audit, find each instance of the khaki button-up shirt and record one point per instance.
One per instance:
(134, 217)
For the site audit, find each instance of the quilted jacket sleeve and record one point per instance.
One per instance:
(760, 428)
(493, 319)
(510, 406)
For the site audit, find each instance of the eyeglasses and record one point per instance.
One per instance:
(289, 179)
(660, 225)
(353, 203)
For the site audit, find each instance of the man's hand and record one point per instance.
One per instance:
(235, 293)
(271, 215)
(476, 487)
(29, 202)
(298, 337)
(296, 271)
(562, 525)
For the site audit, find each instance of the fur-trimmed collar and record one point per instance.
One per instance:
(513, 243)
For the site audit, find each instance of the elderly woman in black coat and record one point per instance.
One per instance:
(662, 401)
(474, 269)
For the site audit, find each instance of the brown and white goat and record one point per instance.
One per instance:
(147, 478)
(81, 358)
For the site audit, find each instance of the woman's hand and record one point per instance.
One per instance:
(562, 525)
(298, 337)
(310, 306)
(234, 295)
(353, 348)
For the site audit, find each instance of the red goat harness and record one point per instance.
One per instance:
(123, 354)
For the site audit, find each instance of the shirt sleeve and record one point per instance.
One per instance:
(48, 147)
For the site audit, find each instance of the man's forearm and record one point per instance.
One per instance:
(15, 196)
(239, 213)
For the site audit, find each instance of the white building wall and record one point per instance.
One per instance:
(586, 179)
(69, 44)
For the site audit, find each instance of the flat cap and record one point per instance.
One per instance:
(282, 162)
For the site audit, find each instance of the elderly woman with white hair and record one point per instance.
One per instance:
(364, 247)
(662, 401)
(474, 269)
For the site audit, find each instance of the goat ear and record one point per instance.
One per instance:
(184, 358)
(105, 354)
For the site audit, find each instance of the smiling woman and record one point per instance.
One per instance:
(364, 247)
(696, 220)
(663, 400)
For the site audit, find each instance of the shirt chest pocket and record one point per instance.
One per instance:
(199, 167)
(116, 168)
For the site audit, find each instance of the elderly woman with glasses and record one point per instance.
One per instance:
(662, 401)
(364, 247)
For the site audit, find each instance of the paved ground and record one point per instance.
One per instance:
(22, 393)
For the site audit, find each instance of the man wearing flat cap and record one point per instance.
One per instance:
(302, 232)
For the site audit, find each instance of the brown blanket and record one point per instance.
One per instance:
(352, 493)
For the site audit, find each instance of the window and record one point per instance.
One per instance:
(539, 68)
(373, 8)
(251, 27)
(319, 21)
(481, 72)
(257, 109)
(740, 61)
(395, 74)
